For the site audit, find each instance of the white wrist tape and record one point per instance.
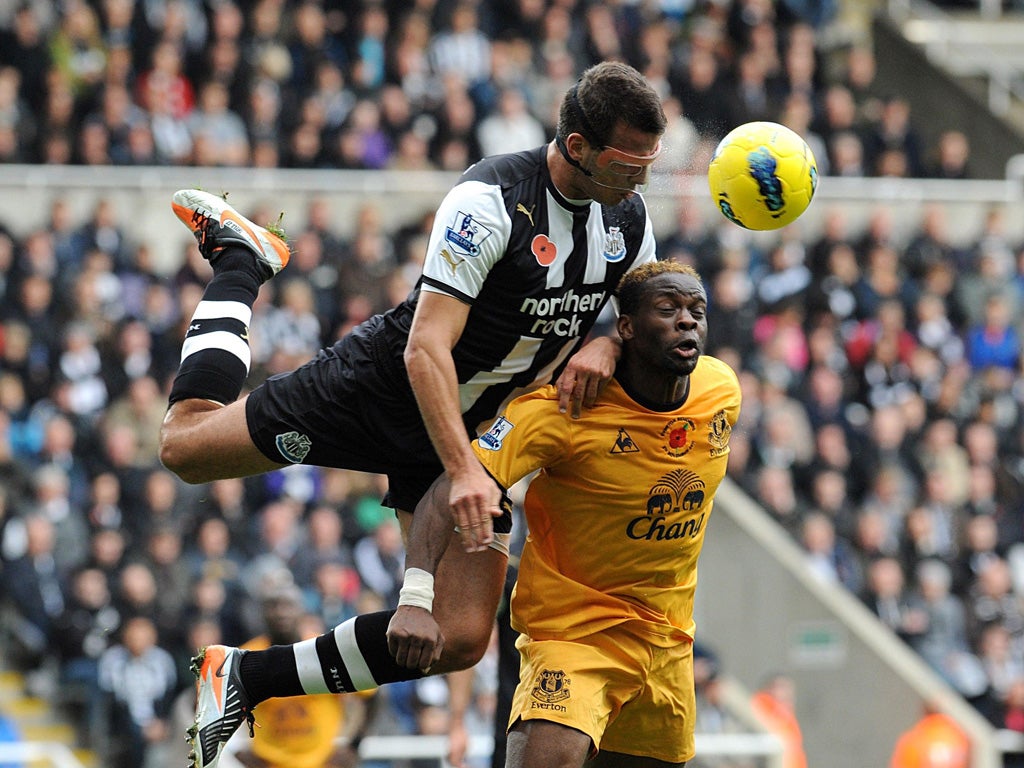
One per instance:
(417, 589)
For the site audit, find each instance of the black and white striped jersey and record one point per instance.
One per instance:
(535, 269)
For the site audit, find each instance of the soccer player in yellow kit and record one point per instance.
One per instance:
(617, 515)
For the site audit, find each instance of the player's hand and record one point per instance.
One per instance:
(414, 638)
(458, 742)
(586, 373)
(475, 501)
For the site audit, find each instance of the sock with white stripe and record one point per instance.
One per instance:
(215, 357)
(351, 657)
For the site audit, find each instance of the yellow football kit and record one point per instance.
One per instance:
(617, 515)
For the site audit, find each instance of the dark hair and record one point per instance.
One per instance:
(631, 286)
(606, 94)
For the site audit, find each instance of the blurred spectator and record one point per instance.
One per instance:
(699, 87)
(943, 641)
(60, 449)
(934, 741)
(219, 135)
(135, 593)
(291, 330)
(1003, 666)
(140, 680)
(463, 51)
(934, 329)
(32, 583)
(716, 715)
(15, 118)
(980, 547)
(749, 99)
(24, 45)
(335, 592)
(77, 49)
(951, 158)
(279, 539)
(324, 542)
(79, 364)
(108, 550)
(82, 633)
(776, 492)
(930, 245)
(141, 409)
(894, 132)
(511, 127)
(361, 143)
(372, 259)
(311, 43)
(163, 549)
(859, 77)
(118, 115)
(887, 596)
(379, 560)
(1011, 714)
(774, 705)
(51, 499)
(994, 343)
(991, 599)
(212, 554)
(797, 114)
(829, 556)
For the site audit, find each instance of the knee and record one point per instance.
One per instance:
(465, 645)
(177, 456)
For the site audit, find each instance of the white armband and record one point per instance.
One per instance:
(417, 589)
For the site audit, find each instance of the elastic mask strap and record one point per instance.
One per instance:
(588, 131)
(560, 143)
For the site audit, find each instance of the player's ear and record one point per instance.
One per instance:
(576, 145)
(624, 325)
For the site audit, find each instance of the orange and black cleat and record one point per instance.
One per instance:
(217, 225)
(221, 704)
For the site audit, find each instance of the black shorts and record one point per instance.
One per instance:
(350, 407)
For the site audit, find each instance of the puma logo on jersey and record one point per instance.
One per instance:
(244, 335)
(450, 260)
(528, 212)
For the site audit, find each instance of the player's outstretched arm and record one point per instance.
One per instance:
(474, 499)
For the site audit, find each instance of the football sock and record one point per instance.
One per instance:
(351, 657)
(215, 356)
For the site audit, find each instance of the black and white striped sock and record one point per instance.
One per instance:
(351, 657)
(215, 356)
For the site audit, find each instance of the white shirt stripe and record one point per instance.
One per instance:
(560, 233)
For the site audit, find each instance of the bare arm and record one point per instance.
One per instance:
(436, 327)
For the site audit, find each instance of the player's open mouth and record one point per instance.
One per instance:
(687, 348)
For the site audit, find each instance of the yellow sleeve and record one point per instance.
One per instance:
(529, 435)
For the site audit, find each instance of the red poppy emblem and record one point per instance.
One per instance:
(544, 250)
(677, 437)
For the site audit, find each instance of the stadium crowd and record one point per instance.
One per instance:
(882, 376)
(425, 84)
